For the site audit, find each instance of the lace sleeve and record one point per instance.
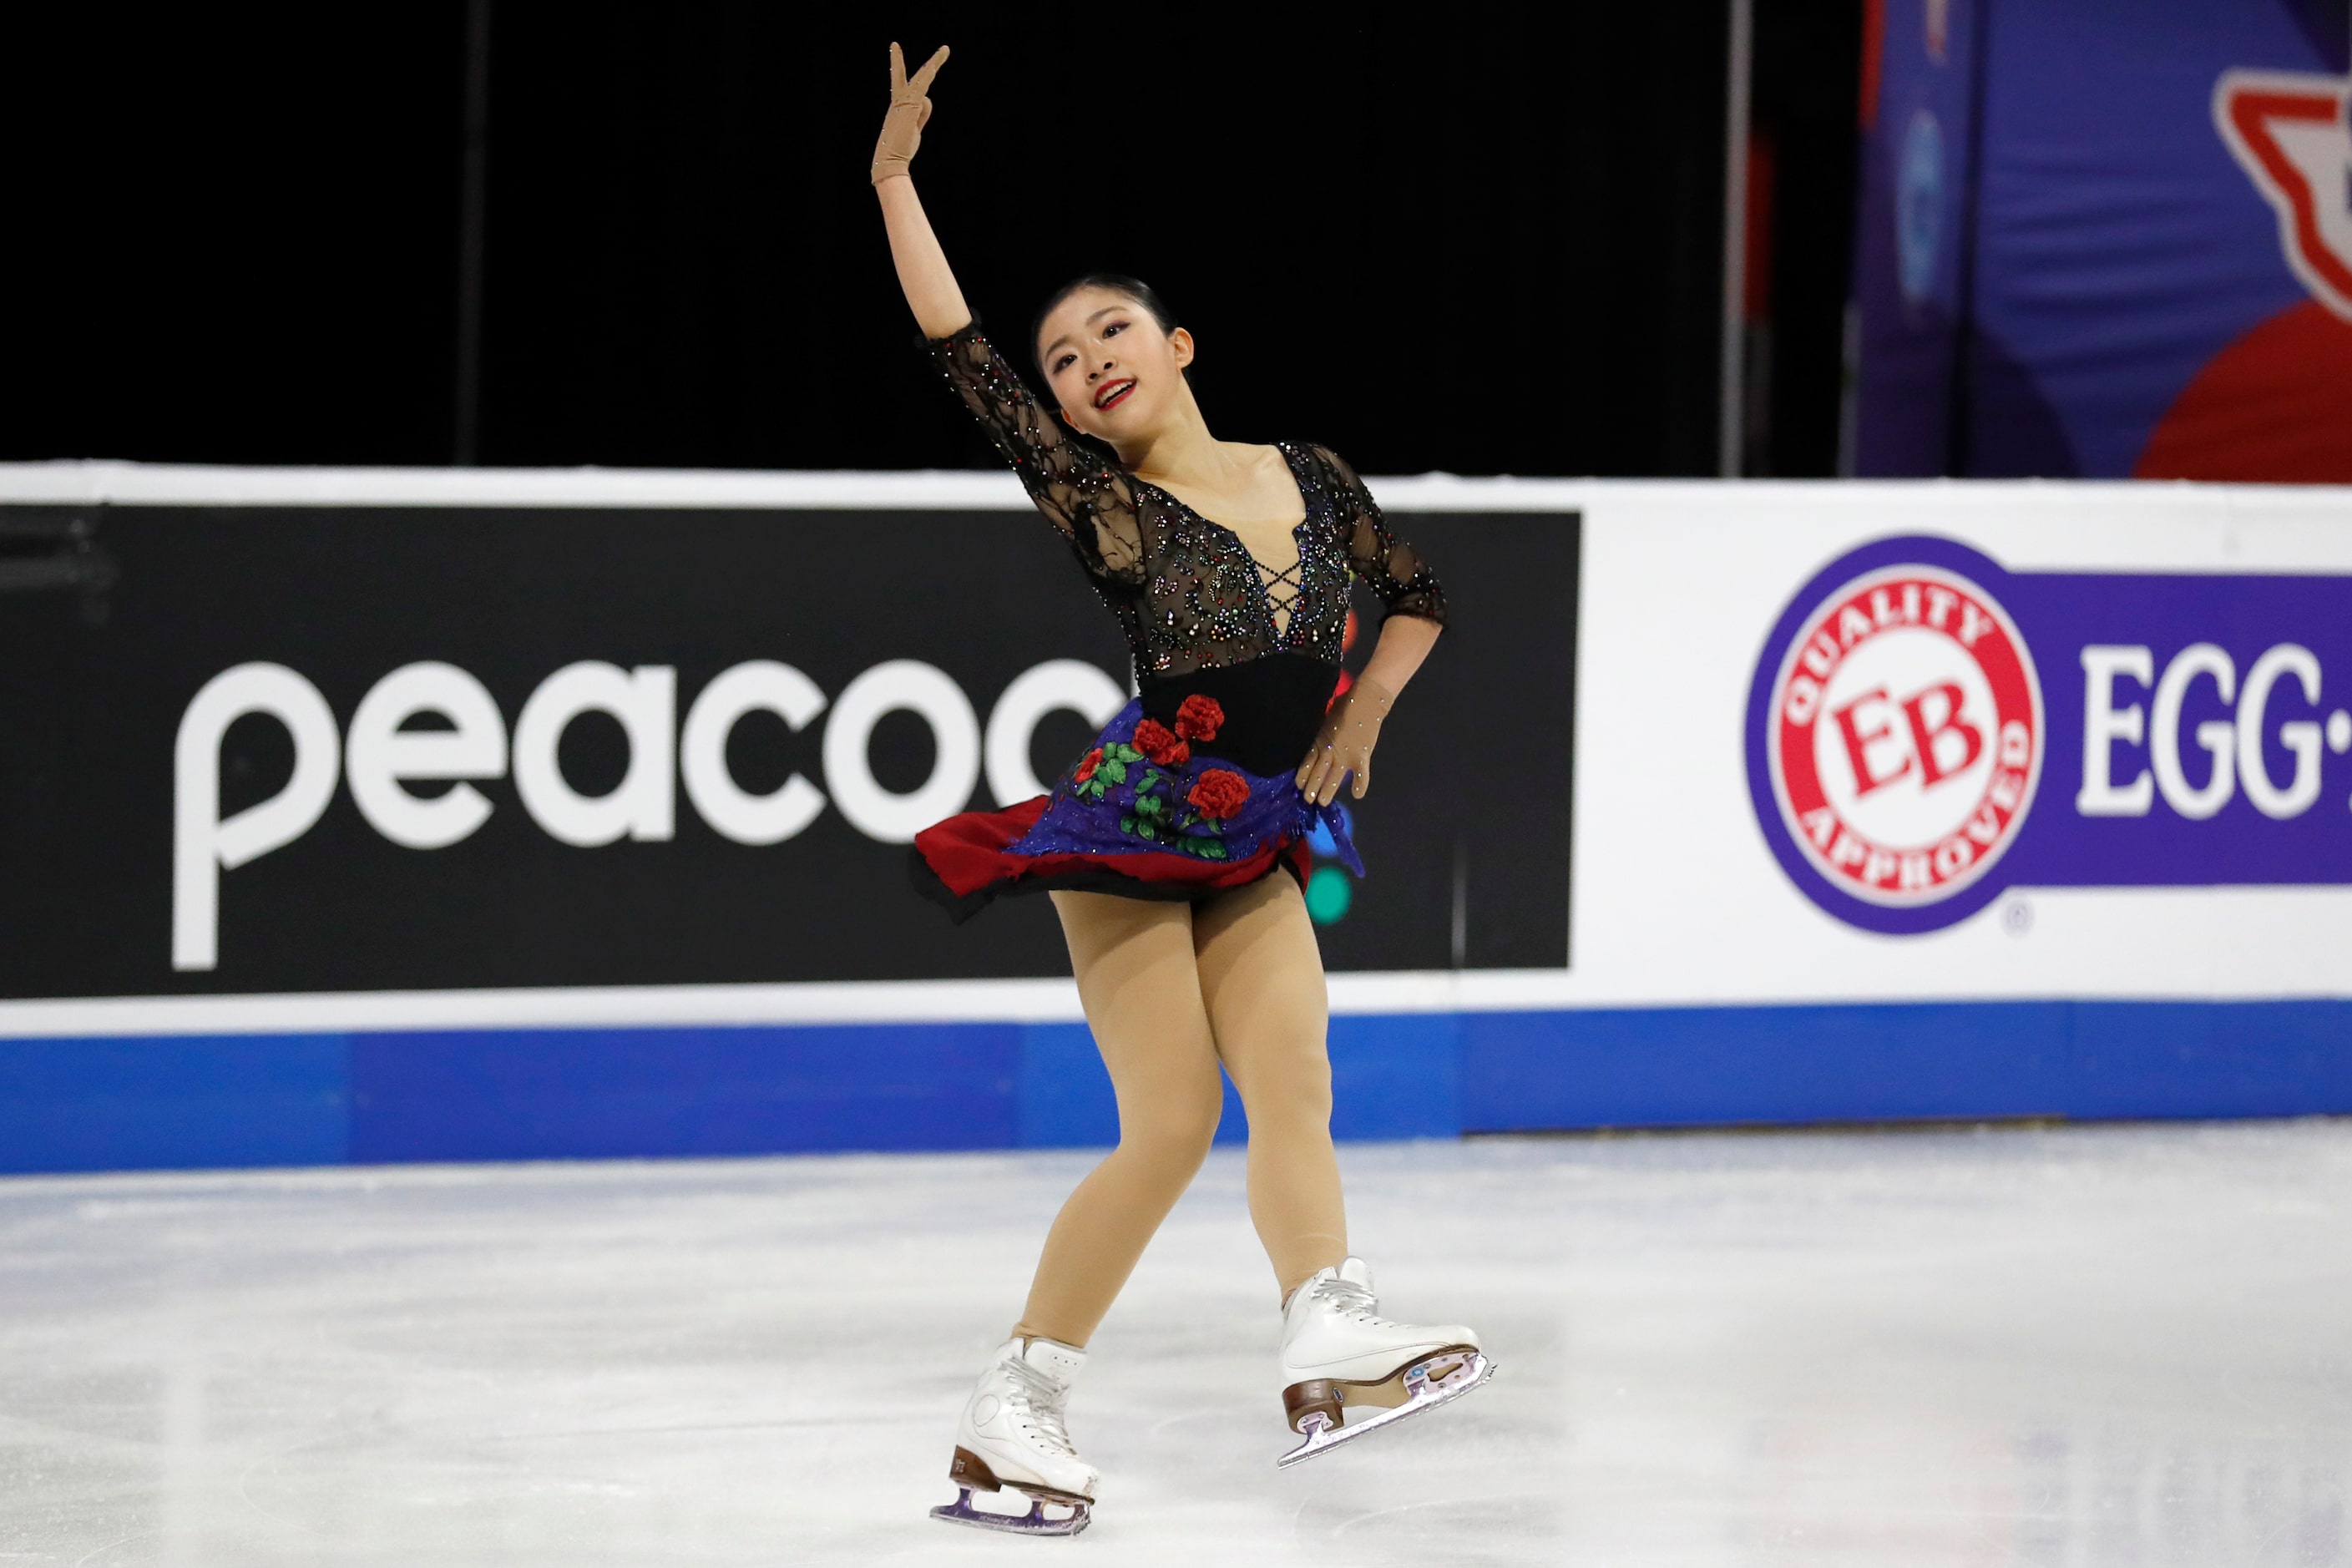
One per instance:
(1382, 562)
(1092, 502)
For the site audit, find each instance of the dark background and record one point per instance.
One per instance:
(346, 596)
(1482, 239)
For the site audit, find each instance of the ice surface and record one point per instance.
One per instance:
(2085, 1346)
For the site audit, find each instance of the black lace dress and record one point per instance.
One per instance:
(1191, 789)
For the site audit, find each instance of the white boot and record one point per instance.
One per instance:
(1011, 1435)
(1347, 1371)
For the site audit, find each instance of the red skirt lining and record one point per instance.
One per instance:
(962, 864)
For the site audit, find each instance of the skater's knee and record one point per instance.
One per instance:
(1174, 1130)
(1296, 1092)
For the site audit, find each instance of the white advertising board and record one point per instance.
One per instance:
(1834, 742)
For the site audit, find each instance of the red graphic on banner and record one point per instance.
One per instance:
(2275, 404)
(2275, 407)
(2290, 134)
(1907, 735)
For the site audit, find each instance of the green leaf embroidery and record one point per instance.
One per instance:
(1150, 805)
(1127, 825)
(1115, 772)
(1211, 851)
(1147, 830)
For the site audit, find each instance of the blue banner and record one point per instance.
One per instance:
(2102, 239)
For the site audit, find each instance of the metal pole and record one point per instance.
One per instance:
(471, 213)
(1731, 427)
(1960, 407)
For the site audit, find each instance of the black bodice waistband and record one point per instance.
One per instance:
(1274, 708)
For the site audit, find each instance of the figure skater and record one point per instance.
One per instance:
(1175, 850)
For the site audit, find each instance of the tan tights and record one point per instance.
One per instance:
(1169, 991)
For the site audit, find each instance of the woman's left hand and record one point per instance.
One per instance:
(1350, 731)
(910, 110)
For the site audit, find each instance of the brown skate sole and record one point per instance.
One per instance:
(1327, 1396)
(1425, 1383)
(968, 1469)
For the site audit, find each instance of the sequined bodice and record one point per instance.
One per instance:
(1187, 591)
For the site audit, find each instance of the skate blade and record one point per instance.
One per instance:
(1037, 1521)
(1421, 1393)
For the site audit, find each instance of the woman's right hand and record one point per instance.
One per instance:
(902, 127)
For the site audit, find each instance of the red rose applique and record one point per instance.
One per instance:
(1088, 764)
(1158, 743)
(1220, 792)
(1199, 716)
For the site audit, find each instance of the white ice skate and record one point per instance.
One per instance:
(1011, 1435)
(1347, 1372)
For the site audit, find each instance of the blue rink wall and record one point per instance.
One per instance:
(180, 1101)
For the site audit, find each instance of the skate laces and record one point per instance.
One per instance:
(1039, 1397)
(1347, 1298)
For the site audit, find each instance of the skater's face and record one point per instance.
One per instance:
(1117, 375)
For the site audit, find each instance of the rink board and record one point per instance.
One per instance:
(187, 1101)
(2128, 935)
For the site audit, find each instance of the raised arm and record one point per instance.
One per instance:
(923, 270)
(1092, 503)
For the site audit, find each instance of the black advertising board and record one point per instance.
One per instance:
(221, 728)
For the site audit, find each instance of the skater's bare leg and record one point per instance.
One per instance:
(1141, 990)
(1262, 978)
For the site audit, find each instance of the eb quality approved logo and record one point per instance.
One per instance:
(1897, 719)
(1906, 736)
